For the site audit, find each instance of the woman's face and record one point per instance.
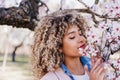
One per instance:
(72, 41)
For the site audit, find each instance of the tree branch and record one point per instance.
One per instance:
(26, 14)
(96, 1)
(42, 3)
(22, 16)
(88, 10)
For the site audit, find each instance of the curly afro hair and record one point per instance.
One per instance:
(48, 40)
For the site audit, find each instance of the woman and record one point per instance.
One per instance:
(56, 54)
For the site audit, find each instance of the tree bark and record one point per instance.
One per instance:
(22, 16)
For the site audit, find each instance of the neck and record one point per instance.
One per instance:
(74, 66)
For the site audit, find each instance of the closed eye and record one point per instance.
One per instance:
(73, 37)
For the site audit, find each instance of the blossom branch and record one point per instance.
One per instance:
(88, 10)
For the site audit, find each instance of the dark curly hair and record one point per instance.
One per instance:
(48, 40)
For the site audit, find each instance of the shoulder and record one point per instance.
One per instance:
(56, 75)
(48, 76)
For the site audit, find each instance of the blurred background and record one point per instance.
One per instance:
(17, 18)
(15, 49)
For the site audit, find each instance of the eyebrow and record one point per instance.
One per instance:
(73, 32)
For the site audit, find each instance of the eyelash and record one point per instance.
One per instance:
(74, 36)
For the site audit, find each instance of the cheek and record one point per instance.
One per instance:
(69, 47)
(68, 44)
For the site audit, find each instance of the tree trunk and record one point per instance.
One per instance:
(22, 16)
(14, 54)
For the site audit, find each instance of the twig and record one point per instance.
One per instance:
(88, 10)
(42, 3)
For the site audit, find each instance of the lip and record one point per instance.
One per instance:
(83, 46)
